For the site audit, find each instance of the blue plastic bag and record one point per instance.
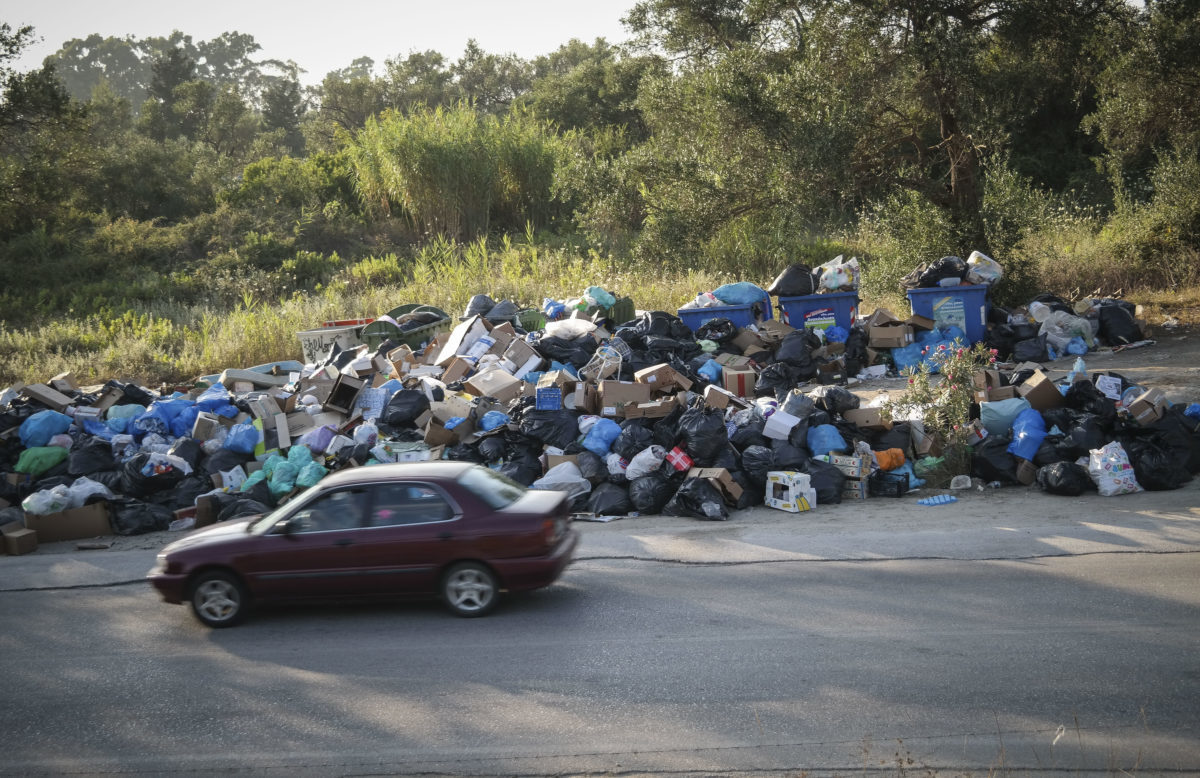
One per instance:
(1193, 410)
(491, 420)
(159, 415)
(711, 371)
(1029, 430)
(740, 293)
(601, 436)
(907, 469)
(836, 334)
(37, 430)
(242, 438)
(217, 400)
(825, 439)
(1077, 346)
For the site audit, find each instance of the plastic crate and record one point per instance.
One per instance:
(740, 315)
(620, 312)
(820, 311)
(885, 484)
(965, 307)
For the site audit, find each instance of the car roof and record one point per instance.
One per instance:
(402, 470)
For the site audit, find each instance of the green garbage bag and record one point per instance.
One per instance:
(283, 479)
(257, 477)
(39, 459)
(311, 474)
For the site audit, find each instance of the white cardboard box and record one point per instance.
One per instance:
(789, 491)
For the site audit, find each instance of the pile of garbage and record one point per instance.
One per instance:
(638, 414)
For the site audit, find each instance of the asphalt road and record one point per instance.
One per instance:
(1076, 664)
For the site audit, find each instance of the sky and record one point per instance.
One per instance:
(325, 36)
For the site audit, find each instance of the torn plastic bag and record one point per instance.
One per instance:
(1064, 478)
(564, 477)
(37, 430)
(991, 461)
(836, 275)
(795, 281)
(719, 330)
(982, 269)
(47, 501)
(698, 499)
(703, 434)
(134, 517)
(827, 480)
(650, 493)
(1029, 429)
(91, 457)
(608, 499)
(84, 490)
(835, 400)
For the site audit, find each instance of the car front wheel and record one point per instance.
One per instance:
(219, 599)
(470, 589)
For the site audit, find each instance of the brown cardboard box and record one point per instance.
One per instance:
(739, 381)
(64, 382)
(494, 383)
(504, 335)
(108, 397)
(890, 336)
(558, 459)
(613, 396)
(205, 426)
(73, 524)
(663, 378)
(925, 444)
(1148, 407)
(51, 398)
(462, 337)
(748, 340)
(720, 398)
(403, 359)
(920, 323)
(831, 372)
(1041, 393)
(344, 392)
(524, 357)
(17, 539)
(773, 332)
(720, 478)
(732, 361)
(655, 409)
(264, 407)
(867, 419)
(456, 370)
(1026, 472)
(1002, 393)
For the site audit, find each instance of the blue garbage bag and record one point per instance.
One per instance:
(37, 430)
(907, 357)
(1029, 430)
(825, 439)
(217, 400)
(1077, 346)
(907, 469)
(242, 438)
(953, 333)
(491, 420)
(601, 436)
(711, 370)
(998, 416)
(836, 334)
(158, 416)
(181, 425)
(740, 293)
(97, 429)
(1193, 410)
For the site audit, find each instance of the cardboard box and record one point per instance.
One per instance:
(232, 376)
(733, 361)
(205, 426)
(64, 382)
(615, 395)
(457, 369)
(558, 459)
(663, 378)
(108, 397)
(789, 491)
(462, 338)
(923, 443)
(831, 372)
(19, 540)
(881, 317)
(1026, 472)
(854, 489)
(867, 419)
(343, 394)
(494, 383)
(720, 398)
(748, 340)
(85, 414)
(721, 480)
(920, 323)
(1041, 393)
(655, 409)
(51, 398)
(1148, 407)
(73, 524)
(264, 407)
(1002, 393)
(402, 360)
(890, 336)
(851, 466)
(773, 332)
(779, 425)
(739, 381)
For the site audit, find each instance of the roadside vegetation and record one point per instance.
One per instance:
(171, 207)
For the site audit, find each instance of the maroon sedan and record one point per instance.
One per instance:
(448, 529)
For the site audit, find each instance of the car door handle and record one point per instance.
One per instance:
(343, 542)
(446, 536)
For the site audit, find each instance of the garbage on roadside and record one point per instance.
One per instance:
(718, 408)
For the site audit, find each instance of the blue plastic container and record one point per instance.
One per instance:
(740, 315)
(965, 307)
(820, 311)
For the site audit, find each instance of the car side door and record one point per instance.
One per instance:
(315, 551)
(413, 529)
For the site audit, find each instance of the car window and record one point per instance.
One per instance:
(337, 510)
(408, 503)
(497, 490)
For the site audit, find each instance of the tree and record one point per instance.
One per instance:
(283, 108)
(420, 79)
(490, 82)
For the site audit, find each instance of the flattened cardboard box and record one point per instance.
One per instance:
(663, 378)
(462, 337)
(73, 524)
(46, 396)
(720, 398)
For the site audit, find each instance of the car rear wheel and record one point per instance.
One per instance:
(219, 599)
(470, 589)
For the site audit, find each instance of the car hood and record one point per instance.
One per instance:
(234, 528)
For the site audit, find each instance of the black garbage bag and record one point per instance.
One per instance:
(835, 400)
(136, 484)
(719, 330)
(188, 450)
(222, 461)
(788, 456)
(1062, 417)
(1084, 397)
(1065, 478)
(575, 352)
(776, 380)
(93, 456)
(827, 480)
(1181, 433)
(729, 459)
(899, 436)
(553, 428)
(465, 452)
(1050, 451)
(492, 448)
(523, 468)
(757, 461)
(609, 499)
(750, 434)
(1157, 467)
(134, 517)
(113, 479)
(1086, 434)
(1117, 325)
(1003, 338)
(259, 492)
(592, 467)
(795, 281)
(796, 352)
(663, 325)
(855, 355)
(502, 311)
(650, 493)
(478, 305)
(635, 437)
(133, 394)
(403, 408)
(184, 494)
(991, 461)
(698, 499)
(1031, 350)
(702, 434)
(946, 267)
(242, 507)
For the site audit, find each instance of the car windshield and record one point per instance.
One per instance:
(264, 522)
(496, 490)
